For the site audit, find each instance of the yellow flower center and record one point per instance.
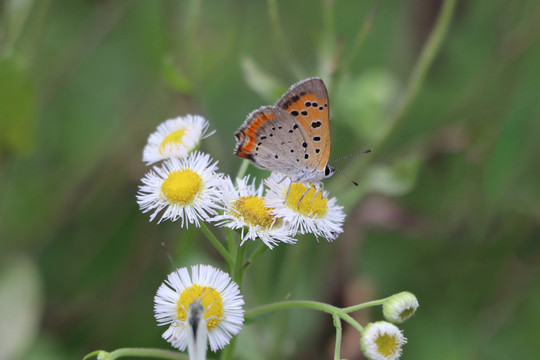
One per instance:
(210, 299)
(173, 138)
(386, 344)
(310, 205)
(406, 313)
(182, 186)
(254, 212)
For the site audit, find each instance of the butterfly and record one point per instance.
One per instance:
(197, 334)
(291, 137)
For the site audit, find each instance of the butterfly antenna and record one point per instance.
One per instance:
(342, 173)
(351, 155)
(168, 255)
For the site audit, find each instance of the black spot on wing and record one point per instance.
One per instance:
(292, 100)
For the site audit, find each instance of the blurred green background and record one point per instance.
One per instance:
(448, 205)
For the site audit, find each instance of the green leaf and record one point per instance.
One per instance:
(20, 306)
(17, 107)
(364, 102)
(264, 84)
(98, 353)
(175, 78)
(395, 179)
(15, 14)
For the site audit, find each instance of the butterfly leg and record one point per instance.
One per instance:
(288, 191)
(318, 189)
(301, 197)
(283, 178)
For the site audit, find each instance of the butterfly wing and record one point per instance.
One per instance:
(273, 140)
(307, 102)
(197, 334)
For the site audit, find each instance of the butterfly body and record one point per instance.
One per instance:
(293, 136)
(197, 332)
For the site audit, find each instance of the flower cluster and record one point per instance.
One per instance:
(205, 307)
(187, 186)
(383, 340)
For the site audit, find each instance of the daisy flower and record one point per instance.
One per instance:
(307, 209)
(208, 296)
(382, 341)
(185, 188)
(400, 307)
(244, 208)
(175, 138)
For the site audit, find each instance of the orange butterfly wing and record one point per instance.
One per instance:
(307, 101)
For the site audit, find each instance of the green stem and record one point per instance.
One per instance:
(308, 304)
(361, 36)
(138, 352)
(214, 240)
(351, 321)
(228, 352)
(328, 51)
(421, 68)
(359, 40)
(278, 32)
(237, 276)
(231, 245)
(260, 250)
(363, 306)
(337, 349)
(242, 170)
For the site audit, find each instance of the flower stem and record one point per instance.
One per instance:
(228, 352)
(260, 250)
(243, 169)
(214, 240)
(337, 349)
(278, 32)
(314, 305)
(363, 306)
(238, 274)
(421, 68)
(138, 352)
(361, 36)
(230, 240)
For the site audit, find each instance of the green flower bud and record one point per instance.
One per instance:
(400, 307)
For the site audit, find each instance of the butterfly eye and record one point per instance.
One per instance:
(328, 171)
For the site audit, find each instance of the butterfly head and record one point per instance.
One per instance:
(329, 171)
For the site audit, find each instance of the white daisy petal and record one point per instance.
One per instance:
(382, 341)
(186, 189)
(175, 138)
(308, 210)
(219, 296)
(244, 208)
